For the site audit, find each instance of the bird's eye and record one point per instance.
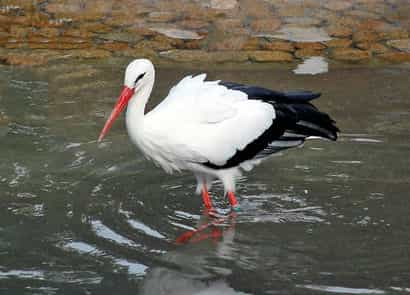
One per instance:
(139, 77)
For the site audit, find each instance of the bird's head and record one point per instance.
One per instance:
(138, 75)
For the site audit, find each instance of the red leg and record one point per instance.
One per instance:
(233, 201)
(206, 198)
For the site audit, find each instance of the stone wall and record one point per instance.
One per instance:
(34, 32)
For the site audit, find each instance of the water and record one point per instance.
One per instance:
(77, 217)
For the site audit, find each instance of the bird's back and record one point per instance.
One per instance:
(224, 124)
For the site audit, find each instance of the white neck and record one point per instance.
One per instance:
(134, 117)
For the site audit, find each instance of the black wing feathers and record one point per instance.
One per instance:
(295, 120)
(255, 92)
(294, 106)
(312, 122)
(301, 96)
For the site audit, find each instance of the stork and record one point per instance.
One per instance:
(216, 129)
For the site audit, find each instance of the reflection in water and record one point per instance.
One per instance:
(209, 227)
(216, 232)
(77, 217)
(164, 282)
(312, 66)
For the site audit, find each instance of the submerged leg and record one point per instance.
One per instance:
(233, 201)
(206, 198)
(228, 178)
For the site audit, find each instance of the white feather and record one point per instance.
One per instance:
(203, 121)
(199, 121)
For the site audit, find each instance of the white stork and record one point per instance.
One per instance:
(213, 128)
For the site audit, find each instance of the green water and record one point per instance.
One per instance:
(77, 217)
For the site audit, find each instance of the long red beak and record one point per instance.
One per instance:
(122, 102)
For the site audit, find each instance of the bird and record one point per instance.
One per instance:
(215, 129)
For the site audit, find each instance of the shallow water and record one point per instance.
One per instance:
(77, 217)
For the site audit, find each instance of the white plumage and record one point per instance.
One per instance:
(199, 126)
(207, 119)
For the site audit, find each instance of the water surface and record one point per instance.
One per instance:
(77, 217)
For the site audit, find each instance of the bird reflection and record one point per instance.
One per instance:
(193, 272)
(212, 226)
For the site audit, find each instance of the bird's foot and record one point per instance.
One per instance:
(206, 199)
(236, 208)
(233, 201)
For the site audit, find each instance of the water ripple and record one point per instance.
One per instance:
(73, 277)
(342, 290)
(29, 85)
(145, 229)
(25, 209)
(105, 232)
(367, 140)
(133, 267)
(20, 129)
(21, 172)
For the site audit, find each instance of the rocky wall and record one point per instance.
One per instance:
(35, 32)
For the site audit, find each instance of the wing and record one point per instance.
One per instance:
(264, 94)
(295, 120)
(224, 124)
(205, 122)
(197, 100)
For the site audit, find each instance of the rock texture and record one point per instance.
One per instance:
(402, 45)
(351, 55)
(35, 32)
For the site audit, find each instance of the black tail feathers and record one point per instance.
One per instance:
(294, 112)
(305, 119)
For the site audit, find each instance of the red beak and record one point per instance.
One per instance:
(122, 102)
